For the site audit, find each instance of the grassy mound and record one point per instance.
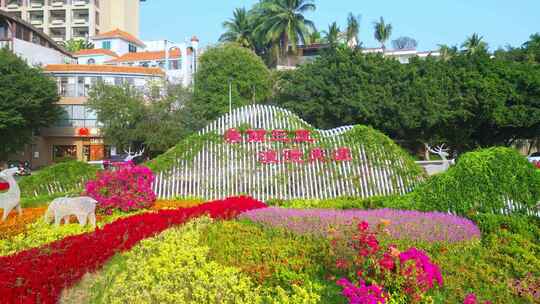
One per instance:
(482, 181)
(60, 178)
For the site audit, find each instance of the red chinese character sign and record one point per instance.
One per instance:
(294, 155)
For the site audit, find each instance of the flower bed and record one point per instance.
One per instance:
(409, 225)
(16, 224)
(38, 275)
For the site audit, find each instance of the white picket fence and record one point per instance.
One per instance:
(221, 170)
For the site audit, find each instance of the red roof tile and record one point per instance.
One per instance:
(117, 33)
(95, 52)
(103, 69)
(147, 56)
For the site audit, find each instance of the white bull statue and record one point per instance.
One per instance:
(84, 208)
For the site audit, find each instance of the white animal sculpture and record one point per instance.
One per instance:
(12, 198)
(84, 208)
(443, 153)
(132, 155)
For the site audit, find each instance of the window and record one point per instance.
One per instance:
(174, 64)
(64, 152)
(91, 61)
(106, 45)
(77, 116)
(132, 48)
(145, 64)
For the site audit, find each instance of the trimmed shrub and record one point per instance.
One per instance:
(127, 188)
(482, 181)
(60, 178)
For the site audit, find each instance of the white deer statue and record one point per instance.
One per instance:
(443, 153)
(12, 198)
(132, 155)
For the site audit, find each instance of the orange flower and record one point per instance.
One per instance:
(16, 224)
(176, 204)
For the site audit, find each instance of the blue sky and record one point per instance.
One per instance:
(431, 22)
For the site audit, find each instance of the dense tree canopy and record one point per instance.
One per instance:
(131, 119)
(223, 65)
(27, 102)
(466, 101)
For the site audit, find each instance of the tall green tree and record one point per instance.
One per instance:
(75, 45)
(475, 44)
(283, 23)
(239, 29)
(447, 52)
(468, 101)
(353, 30)
(333, 35)
(132, 119)
(27, 102)
(223, 67)
(382, 32)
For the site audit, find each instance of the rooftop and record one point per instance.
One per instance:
(147, 56)
(117, 33)
(95, 52)
(107, 69)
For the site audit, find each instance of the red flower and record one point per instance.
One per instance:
(40, 274)
(363, 226)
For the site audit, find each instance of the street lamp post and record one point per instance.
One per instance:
(230, 95)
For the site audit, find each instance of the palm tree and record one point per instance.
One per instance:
(315, 37)
(447, 52)
(383, 32)
(474, 44)
(333, 35)
(353, 29)
(238, 29)
(75, 45)
(283, 23)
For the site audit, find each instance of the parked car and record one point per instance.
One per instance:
(535, 157)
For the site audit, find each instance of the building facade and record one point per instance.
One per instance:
(29, 43)
(119, 48)
(76, 19)
(308, 53)
(77, 134)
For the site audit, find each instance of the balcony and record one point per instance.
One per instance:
(80, 2)
(58, 3)
(36, 19)
(58, 18)
(80, 17)
(58, 34)
(14, 4)
(37, 3)
(80, 33)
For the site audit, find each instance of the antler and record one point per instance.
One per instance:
(438, 150)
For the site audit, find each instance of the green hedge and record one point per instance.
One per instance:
(480, 182)
(66, 177)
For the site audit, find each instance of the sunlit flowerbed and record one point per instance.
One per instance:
(400, 225)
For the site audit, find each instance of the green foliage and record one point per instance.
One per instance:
(131, 118)
(494, 102)
(63, 178)
(527, 226)
(219, 65)
(343, 203)
(175, 267)
(186, 149)
(75, 45)
(480, 182)
(27, 102)
(274, 258)
(487, 269)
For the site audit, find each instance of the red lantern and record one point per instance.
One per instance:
(84, 132)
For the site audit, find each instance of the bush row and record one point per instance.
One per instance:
(481, 182)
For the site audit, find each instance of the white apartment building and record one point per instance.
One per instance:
(119, 48)
(76, 19)
(29, 43)
(308, 53)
